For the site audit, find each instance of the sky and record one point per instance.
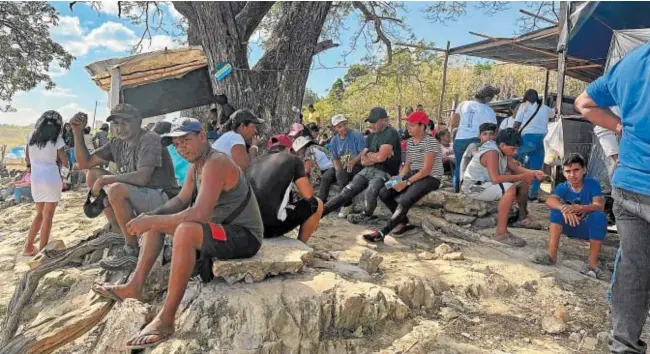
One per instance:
(91, 36)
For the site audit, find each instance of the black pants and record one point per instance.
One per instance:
(342, 178)
(407, 198)
(372, 187)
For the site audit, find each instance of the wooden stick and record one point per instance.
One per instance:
(418, 46)
(444, 84)
(538, 16)
(27, 286)
(584, 67)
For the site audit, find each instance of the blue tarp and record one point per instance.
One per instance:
(16, 153)
(593, 24)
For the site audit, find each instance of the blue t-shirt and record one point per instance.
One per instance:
(590, 189)
(627, 85)
(180, 165)
(346, 149)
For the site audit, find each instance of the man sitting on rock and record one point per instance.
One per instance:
(145, 178)
(272, 177)
(485, 179)
(381, 159)
(577, 211)
(215, 212)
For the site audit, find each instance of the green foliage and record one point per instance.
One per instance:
(26, 49)
(410, 80)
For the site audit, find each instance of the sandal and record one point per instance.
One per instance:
(527, 223)
(31, 254)
(595, 273)
(509, 240)
(105, 292)
(162, 336)
(402, 228)
(542, 258)
(375, 237)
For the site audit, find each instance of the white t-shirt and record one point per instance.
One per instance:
(226, 142)
(507, 123)
(539, 124)
(472, 115)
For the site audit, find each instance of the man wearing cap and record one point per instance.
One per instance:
(272, 177)
(346, 147)
(468, 117)
(239, 129)
(144, 181)
(215, 213)
(381, 158)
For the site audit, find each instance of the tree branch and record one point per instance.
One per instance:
(381, 36)
(325, 45)
(250, 17)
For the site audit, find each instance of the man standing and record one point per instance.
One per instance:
(627, 85)
(272, 177)
(346, 147)
(215, 213)
(381, 159)
(145, 178)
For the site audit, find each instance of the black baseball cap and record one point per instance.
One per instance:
(376, 114)
(92, 209)
(124, 111)
(244, 115)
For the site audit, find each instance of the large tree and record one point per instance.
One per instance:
(26, 48)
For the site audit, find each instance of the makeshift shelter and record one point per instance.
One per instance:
(156, 83)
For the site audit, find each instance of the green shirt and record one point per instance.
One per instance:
(388, 136)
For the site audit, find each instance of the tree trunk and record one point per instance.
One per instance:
(277, 82)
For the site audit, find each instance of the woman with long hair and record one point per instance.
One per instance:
(44, 146)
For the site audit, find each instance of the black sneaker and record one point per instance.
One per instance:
(360, 218)
(125, 259)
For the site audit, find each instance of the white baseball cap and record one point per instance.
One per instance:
(339, 118)
(300, 143)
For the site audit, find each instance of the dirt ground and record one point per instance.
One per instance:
(493, 301)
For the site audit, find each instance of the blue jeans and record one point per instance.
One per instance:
(593, 227)
(460, 145)
(531, 155)
(22, 191)
(631, 285)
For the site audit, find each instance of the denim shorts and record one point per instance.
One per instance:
(143, 199)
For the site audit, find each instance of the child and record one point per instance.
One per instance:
(577, 211)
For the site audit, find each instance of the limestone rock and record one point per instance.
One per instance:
(448, 313)
(459, 219)
(454, 256)
(370, 261)
(458, 203)
(575, 337)
(122, 323)
(589, 343)
(415, 293)
(427, 256)
(347, 270)
(280, 255)
(552, 325)
(485, 222)
(603, 337)
(442, 250)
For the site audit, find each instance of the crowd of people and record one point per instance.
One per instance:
(219, 195)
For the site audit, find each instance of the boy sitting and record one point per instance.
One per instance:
(577, 211)
(486, 179)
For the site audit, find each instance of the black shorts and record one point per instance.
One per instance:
(297, 214)
(228, 241)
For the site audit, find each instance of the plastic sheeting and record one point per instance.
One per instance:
(625, 41)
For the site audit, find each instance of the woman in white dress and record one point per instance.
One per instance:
(44, 146)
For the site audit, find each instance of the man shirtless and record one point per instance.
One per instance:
(215, 212)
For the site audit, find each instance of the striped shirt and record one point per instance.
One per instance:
(415, 155)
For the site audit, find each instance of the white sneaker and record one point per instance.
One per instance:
(345, 211)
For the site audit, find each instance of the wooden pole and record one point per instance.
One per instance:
(565, 12)
(399, 116)
(444, 84)
(538, 16)
(546, 87)
(94, 116)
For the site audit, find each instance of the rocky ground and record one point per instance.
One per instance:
(421, 293)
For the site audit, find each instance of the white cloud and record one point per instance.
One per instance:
(59, 92)
(113, 36)
(69, 110)
(172, 11)
(106, 7)
(55, 70)
(28, 116)
(68, 26)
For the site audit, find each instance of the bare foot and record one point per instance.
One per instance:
(153, 334)
(30, 250)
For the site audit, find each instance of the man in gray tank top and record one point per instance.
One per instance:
(485, 179)
(221, 221)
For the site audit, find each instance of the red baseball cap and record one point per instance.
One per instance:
(418, 117)
(280, 139)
